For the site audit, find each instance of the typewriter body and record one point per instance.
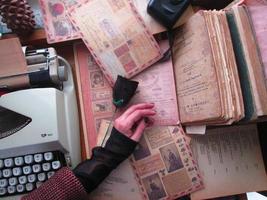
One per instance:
(39, 130)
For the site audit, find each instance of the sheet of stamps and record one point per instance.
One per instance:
(163, 164)
(57, 25)
(116, 36)
(95, 94)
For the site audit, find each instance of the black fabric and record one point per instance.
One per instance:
(93, 171)
(123, 91)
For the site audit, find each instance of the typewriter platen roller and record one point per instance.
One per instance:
(44, 69)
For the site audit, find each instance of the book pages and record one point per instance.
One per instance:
(116, 36)
(157, 85)
(259, 21)
(207, 80)
(252, 58)
(196, 82)
(230, 161)
(58, 27)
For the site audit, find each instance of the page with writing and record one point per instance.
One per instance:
(116, 36)
(157, 85)
(230, 161)
(196, 83)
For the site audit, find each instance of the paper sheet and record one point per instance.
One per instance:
(230, 161)
(116, 36)
(57, 26)
(196, 82)
(157, 85)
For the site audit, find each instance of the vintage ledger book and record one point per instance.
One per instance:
(12, 62)
(116, 36)
(259, 20)
(58, 27)
(162, 164)
(156, 84)
(249, 62)
(230, 161)
(207, 81)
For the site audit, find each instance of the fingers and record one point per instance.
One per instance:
(144, 123)
(138, 115)
(139, 130)
(137, 107)
(129, 122)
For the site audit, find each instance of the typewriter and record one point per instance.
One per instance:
(39, 130)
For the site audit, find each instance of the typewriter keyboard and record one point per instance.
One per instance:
(22, 174)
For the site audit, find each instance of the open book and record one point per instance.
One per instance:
(219, 61)
(207, 81)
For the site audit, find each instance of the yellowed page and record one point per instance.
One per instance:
(116, 36)
(196, 81)
(230, 161)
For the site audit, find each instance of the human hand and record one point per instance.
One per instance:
(134, 120)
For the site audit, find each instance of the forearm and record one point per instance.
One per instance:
(93, 171)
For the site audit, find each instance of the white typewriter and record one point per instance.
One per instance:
(39, 134)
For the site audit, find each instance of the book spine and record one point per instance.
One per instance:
(250, 111)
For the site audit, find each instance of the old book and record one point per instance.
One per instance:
(249, 62)
(161, 159)
(156, 84)
(116, 36)
(207, 80)
(230, 161)
(259, 18)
